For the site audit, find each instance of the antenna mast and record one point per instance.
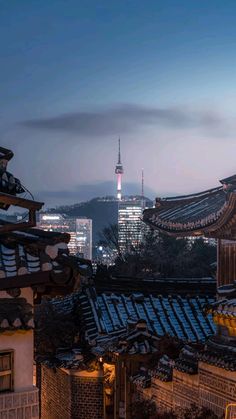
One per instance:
(143, 205)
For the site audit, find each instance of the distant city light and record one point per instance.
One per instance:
(79, 229)
(50, 217)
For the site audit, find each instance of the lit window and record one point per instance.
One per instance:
(6, 371)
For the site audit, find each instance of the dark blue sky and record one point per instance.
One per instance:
(77, 74)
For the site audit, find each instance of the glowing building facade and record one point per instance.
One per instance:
(84, 237)
(80, 230)
(130, 225)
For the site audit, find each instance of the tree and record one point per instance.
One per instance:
(160, 255)
(199, 413)
(146, 409)
(166, 415)
(171, 256)
(109, 238)
(200, 258)
(143, 409)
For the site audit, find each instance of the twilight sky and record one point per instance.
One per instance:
(77, 74)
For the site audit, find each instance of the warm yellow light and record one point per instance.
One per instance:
(230, 411)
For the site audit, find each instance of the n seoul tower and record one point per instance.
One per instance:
(119, 172)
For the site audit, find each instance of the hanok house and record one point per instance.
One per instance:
(119, 331)
(208, 377)
(32, 263)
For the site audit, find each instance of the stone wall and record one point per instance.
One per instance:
(162, 394)
(212, 387)
(217, 387)
(19, 405)
(185, 390)
(67, 395)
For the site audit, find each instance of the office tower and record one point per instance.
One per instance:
(80, 230)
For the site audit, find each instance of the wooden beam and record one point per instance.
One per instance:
(6, 228)
(20, 202)
(32, 206)
(24, 281)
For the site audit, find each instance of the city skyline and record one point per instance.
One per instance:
(159, 75)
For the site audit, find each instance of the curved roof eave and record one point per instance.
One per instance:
(215, 224)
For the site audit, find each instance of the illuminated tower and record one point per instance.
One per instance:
(119, 172)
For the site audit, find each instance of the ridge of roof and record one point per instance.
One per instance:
(193, 195)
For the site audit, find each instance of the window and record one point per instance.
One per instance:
(6, 371)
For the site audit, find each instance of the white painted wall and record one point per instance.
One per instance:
(22, 343)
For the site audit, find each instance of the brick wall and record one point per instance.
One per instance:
(55, 394)
(19, 405)
(68, 396)
(87, 398)
(37, 378)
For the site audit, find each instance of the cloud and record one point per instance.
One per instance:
(126, 118)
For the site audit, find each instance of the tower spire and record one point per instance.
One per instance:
(142, 183)
(119, 158)
(119, 172)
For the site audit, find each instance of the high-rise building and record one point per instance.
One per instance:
(119, 172)
(84, 237)
(130, 225)
(80, 230)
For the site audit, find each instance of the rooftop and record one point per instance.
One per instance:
(206, 213)
(112, 314)
(36, 258)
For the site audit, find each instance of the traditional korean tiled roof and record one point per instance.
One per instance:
(202, 213)
(139, 340)
(142, 379)
(70, 359)
(34, 255)
(164, 369)
(108, 314)
(224, 307)
(187, 361)
(15, 314)
(28, 256)
(219, 352)
(65, 305)
(227, 290)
